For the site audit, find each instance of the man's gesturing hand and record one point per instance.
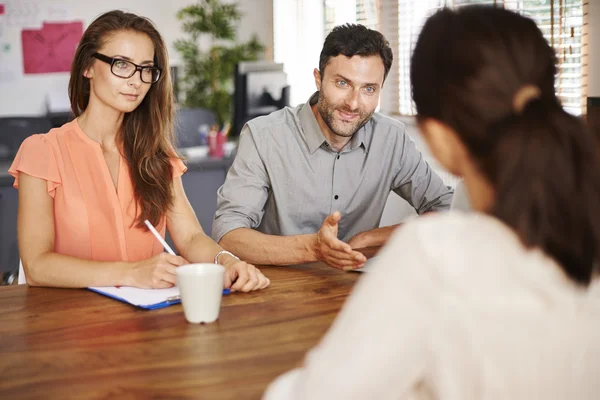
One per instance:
(332, 251)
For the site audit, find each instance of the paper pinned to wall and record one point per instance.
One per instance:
(32, 13)
(50, 49)
(23, 13)
(8, 73)
(57, 12)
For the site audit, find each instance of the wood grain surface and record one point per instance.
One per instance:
(73, 343)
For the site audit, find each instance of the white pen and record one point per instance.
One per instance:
(159, 238)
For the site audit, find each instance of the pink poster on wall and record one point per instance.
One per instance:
(50, 49)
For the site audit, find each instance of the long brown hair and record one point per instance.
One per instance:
(467, 67)
(146, 136)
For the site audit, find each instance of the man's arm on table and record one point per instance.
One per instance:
(258, 248)
(416, 183)
(263, 249)
(374, 238)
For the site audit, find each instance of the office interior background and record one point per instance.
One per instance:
(292, 33)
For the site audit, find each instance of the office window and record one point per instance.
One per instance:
(561, 21)
(298, 38)
(339, 12)
(299, 29)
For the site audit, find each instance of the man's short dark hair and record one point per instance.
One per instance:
(356, 40)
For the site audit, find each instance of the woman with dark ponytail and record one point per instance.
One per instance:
(508, 305)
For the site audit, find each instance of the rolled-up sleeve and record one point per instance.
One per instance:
(241, 199)
(417, 183)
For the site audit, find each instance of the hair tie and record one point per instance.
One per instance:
(523, 96)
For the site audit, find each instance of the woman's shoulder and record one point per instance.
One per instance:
(52, 137)
(42, 148)
(479, 254)
(458, 227)
(68, 129)
(40, 156)
(443, 237)
(462, 244)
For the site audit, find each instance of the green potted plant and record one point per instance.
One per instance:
(207, 80)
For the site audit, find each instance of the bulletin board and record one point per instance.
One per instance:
(36, 37)
(51, 48)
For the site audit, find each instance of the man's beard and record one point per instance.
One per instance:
(338, 127)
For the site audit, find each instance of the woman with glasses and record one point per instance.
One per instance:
(86, 188)
(500, 303)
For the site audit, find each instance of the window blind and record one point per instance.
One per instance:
(338, 12)
(563, 23)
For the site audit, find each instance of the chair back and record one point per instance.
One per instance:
(14, 130)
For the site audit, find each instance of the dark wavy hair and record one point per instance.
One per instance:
(542, 162)
(146, 136)
(356, 39)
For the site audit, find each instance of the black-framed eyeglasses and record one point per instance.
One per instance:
(126, 69)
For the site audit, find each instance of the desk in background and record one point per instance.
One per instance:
(73, 343)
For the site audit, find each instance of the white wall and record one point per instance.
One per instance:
(25, 94)
(594, 48)
(299, 36)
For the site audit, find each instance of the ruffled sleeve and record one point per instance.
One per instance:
(36, 158)
(178, 167)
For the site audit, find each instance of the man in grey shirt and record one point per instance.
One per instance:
(310, 183)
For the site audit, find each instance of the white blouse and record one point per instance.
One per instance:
(455, 308)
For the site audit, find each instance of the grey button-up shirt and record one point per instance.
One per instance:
(286, 179)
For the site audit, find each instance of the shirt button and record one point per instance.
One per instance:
(336, 197)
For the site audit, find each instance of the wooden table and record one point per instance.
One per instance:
(73, 343)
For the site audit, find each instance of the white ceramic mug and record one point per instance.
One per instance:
(201, 288)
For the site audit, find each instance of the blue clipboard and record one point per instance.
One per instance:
(147, 299)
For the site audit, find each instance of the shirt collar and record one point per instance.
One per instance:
(312, 131)
(358, 139)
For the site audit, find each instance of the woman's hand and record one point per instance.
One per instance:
(243, 277)
(157, 272)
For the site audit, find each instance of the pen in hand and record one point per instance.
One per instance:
(159, 238)
(170, 251)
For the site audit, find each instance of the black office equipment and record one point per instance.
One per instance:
(260, 88)
(58, 119)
